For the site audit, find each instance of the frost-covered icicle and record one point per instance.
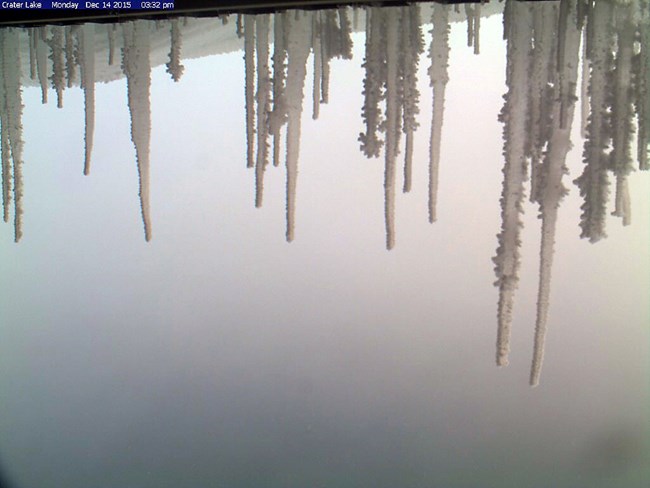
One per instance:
(477, 29)
(110, 30)
(298, 36)
(513, 116)
(318, 62)
(41, 60)
(327, 21)
(344, 39)
(540, 97)
(469, 15)
(249, 66)
(137, 68)
(392, 120)
(32, 52)
(643, 93)
(70, 61)
(58, 66)
(584, 92)
(561, 30)
(335, 41)
(438, 78)
(594, 183)
(239, 26)
(174, 66)
(622, 112)
(473, 14)
(263, 103)
(373, 82)
(551, 190)
(411, 46)
(11, 109)
(6, 157)
(278, 116)
(87, 68)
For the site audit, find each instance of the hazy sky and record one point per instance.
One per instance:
(220, 355)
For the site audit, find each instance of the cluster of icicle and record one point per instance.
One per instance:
(543, 47)
(394, 43)
(68, 53)
(275, 99)
(11, 108)
(543, 44)
(393, 46)
(615, 93)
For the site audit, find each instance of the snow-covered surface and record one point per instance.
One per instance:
(202, 36)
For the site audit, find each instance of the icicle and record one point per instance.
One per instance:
(174, 66)
(373, 81)
(551, 189)
(412, 46)
(543, 293)
(392, 121)
(41, 60)
(344, 50)
(298, 30)
(514, 171)
(137, 68)
(249, 63)
(58, 66)
(318, 61)
(87, 68)
(11, 109)
(6, 158)
(584, 92)
(622, 113)
(32, 52)
(110, 30)
(469, 14)
(540, 94)
(438, 76)
(593, 183)
(325, 63)
(70, 63)
(643, 94)
(239, 26)
(408, 72)
(278, 116)
(477, 29)
(263, 105)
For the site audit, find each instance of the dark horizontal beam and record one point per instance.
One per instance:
(182, 7)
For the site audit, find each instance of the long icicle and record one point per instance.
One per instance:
(551, 190)
(298, 51)
(249, 64)
(41, 60)
(438, 76)
(278, 116)
(514, 117)
(137, 68)
(87, 63)
(318, 73)
(56, 43)
(392, 122)
(6, 157)
(262, 98)
(12, 108)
